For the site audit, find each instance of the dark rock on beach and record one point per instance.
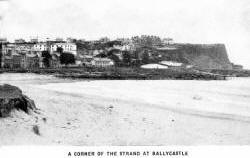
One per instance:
(11, 98)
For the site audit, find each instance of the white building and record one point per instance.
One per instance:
(40, 47)
(168, 41)
(67, 47)
(125, 47)
(102, 62)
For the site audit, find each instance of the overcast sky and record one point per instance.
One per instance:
(189, 21)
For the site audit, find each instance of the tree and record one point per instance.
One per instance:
(67, 58)
(145, 57)
(59, 50)
(101, 55)
(46, 58)
(115, 58)
(112, 54)
(126, 58)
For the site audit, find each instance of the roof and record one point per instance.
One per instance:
(56, 53)
(171, 63)
(85, 56)
(31, 55)
(154, 66)
(102, 59)
(15, 54)
(7, 57)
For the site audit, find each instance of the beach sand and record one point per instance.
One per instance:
(165, 112)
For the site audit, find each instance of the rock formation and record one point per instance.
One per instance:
(11, 98)
(205, 56)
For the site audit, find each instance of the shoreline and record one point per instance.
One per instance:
(124, 73)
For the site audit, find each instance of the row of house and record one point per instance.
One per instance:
(53, 46)
(22, 54)
(28, 55)
(28, 61)
(87, 53)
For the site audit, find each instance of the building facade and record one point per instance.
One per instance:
(32, 61)
(102, 62)
(67, 47)
(7, 62)
(40, 47)
(19, 61)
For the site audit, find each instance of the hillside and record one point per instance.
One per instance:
(213, 56)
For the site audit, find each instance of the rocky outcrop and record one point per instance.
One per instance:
(204, 56)
(11, 98)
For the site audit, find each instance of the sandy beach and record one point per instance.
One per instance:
(164, 112)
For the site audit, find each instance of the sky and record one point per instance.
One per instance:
(186, 21)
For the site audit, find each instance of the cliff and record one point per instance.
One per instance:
(209, 56)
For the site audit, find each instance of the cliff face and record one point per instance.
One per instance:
(212, 56)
